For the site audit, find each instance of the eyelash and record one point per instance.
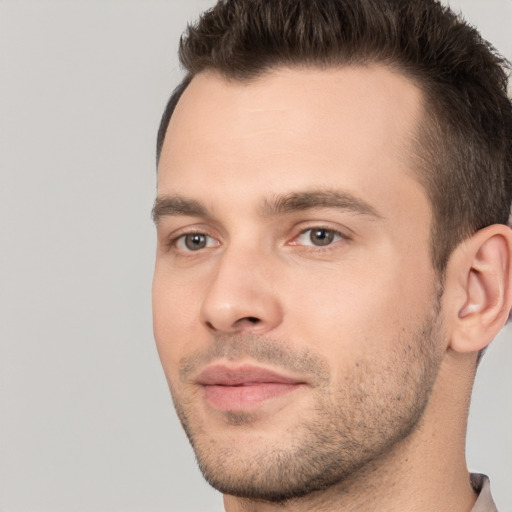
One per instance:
(329, 246)
(175, 240)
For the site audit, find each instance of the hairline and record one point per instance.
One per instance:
(247, 78)
(416, 154)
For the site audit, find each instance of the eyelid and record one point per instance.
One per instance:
(341, 233)
(179, 241)
(308, 226)
(171, 240)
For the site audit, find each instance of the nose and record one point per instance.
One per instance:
(242, 295)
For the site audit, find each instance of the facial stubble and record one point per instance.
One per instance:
(347, 430)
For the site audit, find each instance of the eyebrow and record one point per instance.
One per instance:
(300, 201)
(277, 205)
(176, 205)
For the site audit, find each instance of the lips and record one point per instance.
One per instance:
(243, 387)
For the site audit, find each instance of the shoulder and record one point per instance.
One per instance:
(482, 487)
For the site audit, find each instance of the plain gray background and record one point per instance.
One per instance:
(86, 422)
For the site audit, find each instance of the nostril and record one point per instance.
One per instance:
(239, 323)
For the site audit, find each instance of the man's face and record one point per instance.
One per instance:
(295, 304)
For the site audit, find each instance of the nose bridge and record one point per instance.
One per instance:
(241, 294)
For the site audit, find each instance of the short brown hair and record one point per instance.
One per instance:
(464, 146)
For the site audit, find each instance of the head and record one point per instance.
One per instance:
(322, 166)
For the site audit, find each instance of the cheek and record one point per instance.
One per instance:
(175, 317)
(361, 308)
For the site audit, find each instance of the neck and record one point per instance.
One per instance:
(425, 471)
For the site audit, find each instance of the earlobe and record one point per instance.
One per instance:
(481, 268)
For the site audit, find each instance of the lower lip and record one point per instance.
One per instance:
(242, 398)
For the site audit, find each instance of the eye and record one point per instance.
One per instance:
(319, 237)
(195, 242)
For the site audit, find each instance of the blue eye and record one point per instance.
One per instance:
(319, 237)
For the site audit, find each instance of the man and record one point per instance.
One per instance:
(334, 188)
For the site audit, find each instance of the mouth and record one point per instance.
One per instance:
(244, 387)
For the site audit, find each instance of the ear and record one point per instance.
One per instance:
(479, 285)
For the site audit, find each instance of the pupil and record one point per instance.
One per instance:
(321, 236)
(195, 242)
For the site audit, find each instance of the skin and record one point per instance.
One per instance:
(378, 421)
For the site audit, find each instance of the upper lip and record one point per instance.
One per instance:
(246, 374)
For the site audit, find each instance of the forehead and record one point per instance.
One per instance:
(292, 129)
